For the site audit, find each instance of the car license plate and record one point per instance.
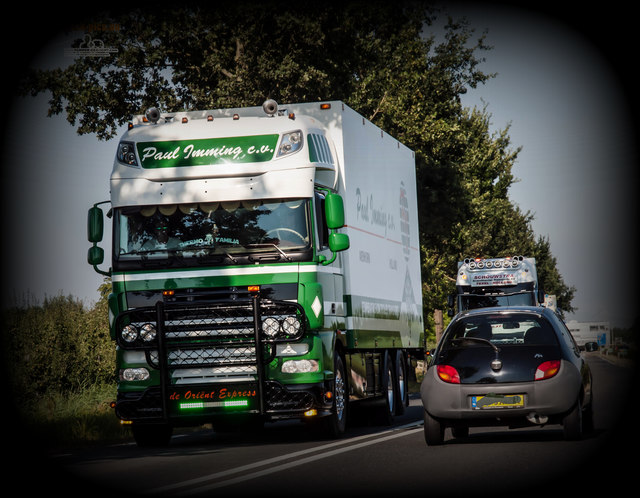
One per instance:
(497, 401)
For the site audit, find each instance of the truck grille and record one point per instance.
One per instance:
(211, 342)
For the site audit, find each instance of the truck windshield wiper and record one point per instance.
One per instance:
(476, 339)
(266, 245)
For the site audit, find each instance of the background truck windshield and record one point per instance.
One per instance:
(218, 228)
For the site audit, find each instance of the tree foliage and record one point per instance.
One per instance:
(388, 61)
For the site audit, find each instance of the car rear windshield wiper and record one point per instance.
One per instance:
(458, 340)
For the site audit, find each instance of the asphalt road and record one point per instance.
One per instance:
(286, 459)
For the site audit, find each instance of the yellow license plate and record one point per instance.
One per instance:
(497, 401)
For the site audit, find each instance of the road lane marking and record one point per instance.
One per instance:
(203, 483)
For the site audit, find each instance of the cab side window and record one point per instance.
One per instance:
(321, 222)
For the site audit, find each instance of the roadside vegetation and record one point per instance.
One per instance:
(59, 359)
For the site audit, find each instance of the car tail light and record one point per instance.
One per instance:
(448, 374)
(547, 369)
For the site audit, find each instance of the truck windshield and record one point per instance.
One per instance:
(473, 301)
(212, 231)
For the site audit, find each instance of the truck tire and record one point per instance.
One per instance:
(336, 423)
(402, 398)
(148, 436)
(389, 385)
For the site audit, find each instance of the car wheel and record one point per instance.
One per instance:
(433, 430)
(572, 423)
(587, 418)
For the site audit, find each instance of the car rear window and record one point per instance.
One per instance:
(502, 329)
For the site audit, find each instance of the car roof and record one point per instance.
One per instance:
(540, 310)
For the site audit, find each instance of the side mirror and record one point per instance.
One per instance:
(541, 295)
(95, 256)
(590, 347)
(334, 211)
(338, 242)
(95, 224)
(95, 230)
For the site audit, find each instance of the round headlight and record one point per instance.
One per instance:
(129, 333)
(291, 325)
(270, 326)
(148, 332)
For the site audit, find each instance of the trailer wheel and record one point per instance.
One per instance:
(389, 386)
(402, 399)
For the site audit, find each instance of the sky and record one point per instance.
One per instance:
(555, 88)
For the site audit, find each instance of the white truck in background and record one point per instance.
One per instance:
(484, 282)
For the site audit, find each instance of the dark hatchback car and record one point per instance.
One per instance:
(507, 366)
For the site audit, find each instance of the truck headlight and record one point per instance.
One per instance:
(299, 366)
(126, 154)
(291, 142)
(290, 325)
(148, 332)
(270, 327)
(134, 374)
(129, 333)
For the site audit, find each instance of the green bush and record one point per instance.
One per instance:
(57, 347)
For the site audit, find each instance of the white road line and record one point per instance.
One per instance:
(201, 482)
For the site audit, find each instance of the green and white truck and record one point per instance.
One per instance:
(265, 266)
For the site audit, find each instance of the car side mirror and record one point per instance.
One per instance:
(590, 347)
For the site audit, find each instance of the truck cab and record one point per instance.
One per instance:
(487, 282)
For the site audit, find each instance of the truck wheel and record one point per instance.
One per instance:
(152, 435)
(336, 423)
(389, 384)
(402, 399)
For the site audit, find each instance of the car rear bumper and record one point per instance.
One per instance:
(549, 397)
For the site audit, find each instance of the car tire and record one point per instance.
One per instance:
(433, 430)
(572, 423)
(588, 425)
